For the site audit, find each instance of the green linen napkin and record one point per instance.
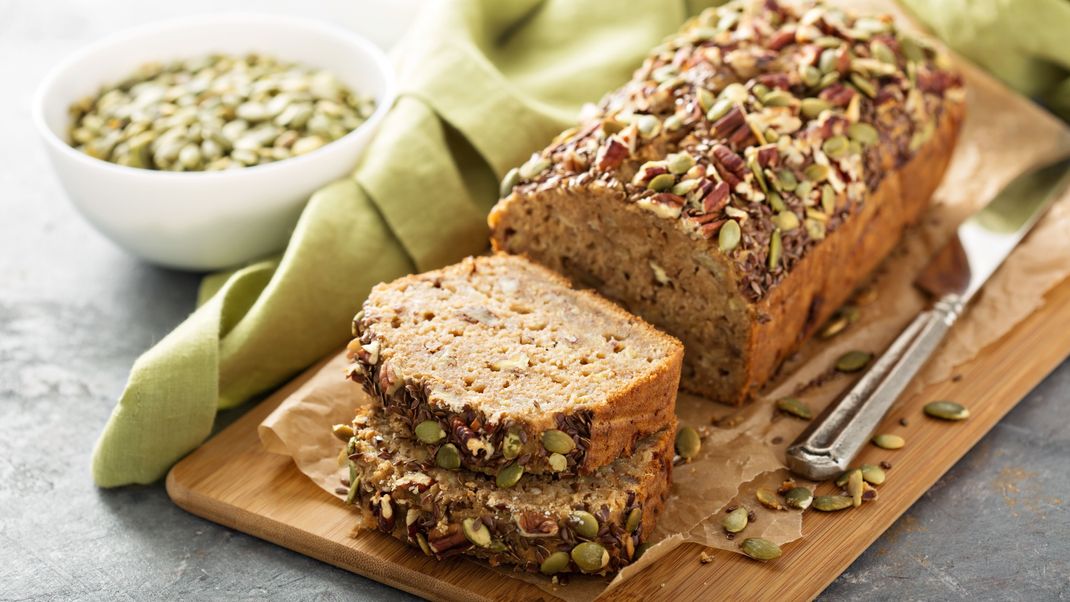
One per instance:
(1026, 43)
(483, 83)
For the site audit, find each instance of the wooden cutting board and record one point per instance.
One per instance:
(232, 481)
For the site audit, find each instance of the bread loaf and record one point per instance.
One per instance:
(497, 364)
(593, 524)
(756, 168)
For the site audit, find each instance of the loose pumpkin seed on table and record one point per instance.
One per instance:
(888, 441)
(947, 410)
(795, 407)
(736, 520)
(832, 503)
(760, 549)
(853, 361)
(688, 443)
(215, 112)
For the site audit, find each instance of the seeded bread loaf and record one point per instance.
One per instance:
(758, 165)
(593, 523)
(498, 365)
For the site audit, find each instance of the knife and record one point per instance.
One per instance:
(952, 278)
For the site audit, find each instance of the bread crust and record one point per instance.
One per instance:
(603, 432)
(822, 281)
(401, 493)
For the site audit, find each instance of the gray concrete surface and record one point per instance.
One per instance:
(75, 312)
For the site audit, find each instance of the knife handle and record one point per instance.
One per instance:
(827, 446)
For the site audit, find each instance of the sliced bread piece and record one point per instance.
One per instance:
(593, 523)
(497, 364)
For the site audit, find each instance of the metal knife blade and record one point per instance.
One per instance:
(953, 277)
(986, 238)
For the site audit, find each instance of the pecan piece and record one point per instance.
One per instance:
(731, 162)
(611, 154)
(716, 199)
(729, 123)
(532, 524)
(452, 539)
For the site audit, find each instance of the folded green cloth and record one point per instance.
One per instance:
(1026, 43)
(483, 83)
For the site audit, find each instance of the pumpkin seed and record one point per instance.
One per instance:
(864, 85)
(533, 167)
(853, 361)
(591, 557)
(760, 549)
(683, 187)
(476, 532)
(511, 179)
(735, 521)
(778, 98)
(882, 52)
(680, 162)
(827, 61)
(776, 201)
(342, 431)
(816, 172)
(795, 407)
(786, 221)
(354, 487)
(768, 499)
(810, 76)
(832, 503)
(835, 147)
(888, 441)
(584, 524)
(947, 410)
(828, 199)
(863, 133)
(728, 237)
(912, 50)
(558, 442)
(706, 99)
(815, 228)
(422, 541)
(448, 457)
(648, 126)
(510, 475)
(554, 563)
(688, 442)
(785, 180)
(511, 445)
(557, 462)
(799, 498)
(854, 487)
(834, 327)
(873, 475)
(635, 517)
(719, 109)
(775, 247)
(429, 431)
(661, 182)
(812, 107)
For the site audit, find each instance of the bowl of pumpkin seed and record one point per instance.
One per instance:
(195, 143)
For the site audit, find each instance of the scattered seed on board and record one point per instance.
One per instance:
(688, 442)
(768, 499)
(795, 407)
(832, 503)
(799, 498)
(947, 410)
(760, 549)
(735, 521)
(853, 361)
(888, 441)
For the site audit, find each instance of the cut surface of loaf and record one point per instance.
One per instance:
(758, 166)
(496, 363)
(401, 491)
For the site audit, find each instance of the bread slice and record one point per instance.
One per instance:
(497, 363)
(402, 492)
(735, 192)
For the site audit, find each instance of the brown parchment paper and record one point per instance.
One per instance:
(1003, 135)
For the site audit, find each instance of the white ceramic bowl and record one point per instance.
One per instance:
(206, 220)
